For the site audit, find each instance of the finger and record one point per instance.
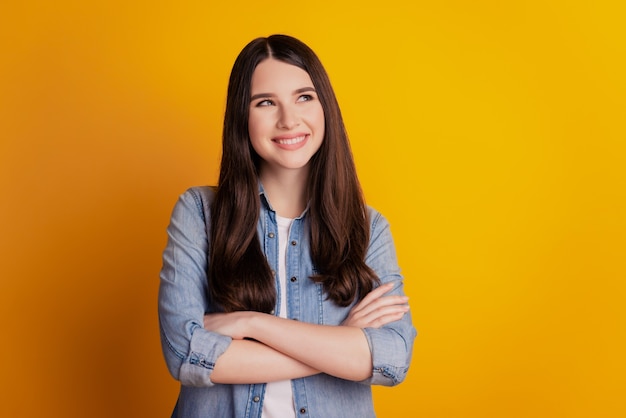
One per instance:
(387, 319)
(382, 317)
(379, 303)
(374, 294)
(367, 320)
(382, 312)
(378, 320)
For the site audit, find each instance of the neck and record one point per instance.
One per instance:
(286, 190)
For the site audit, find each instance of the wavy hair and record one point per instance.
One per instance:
(239, 276)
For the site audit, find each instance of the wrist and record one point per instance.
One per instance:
(254, 324)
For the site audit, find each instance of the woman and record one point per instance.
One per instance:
(280, 292)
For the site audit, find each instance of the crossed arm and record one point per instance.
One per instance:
(374, 341)
(268, 348)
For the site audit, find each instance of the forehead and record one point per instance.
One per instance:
(273, 76)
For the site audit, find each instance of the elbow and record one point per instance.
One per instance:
(173, 358)
(391, 356)
(387, 376)
(190, 370)
(192, 365)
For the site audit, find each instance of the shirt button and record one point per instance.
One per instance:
(256, 399)
(271, 235)
(294, 279)
(294, 242)
(303, 410)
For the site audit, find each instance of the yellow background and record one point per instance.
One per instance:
(490, 133)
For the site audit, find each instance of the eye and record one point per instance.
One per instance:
(265, 102)
(305, 98)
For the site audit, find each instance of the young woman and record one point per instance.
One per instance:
(280, 292)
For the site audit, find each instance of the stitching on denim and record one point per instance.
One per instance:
(386, 372)
(320, 301)
(197, 197)
(391, 373)
(199, 359)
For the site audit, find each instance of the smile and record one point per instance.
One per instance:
(290, 141)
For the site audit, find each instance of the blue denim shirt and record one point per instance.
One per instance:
(191, 351)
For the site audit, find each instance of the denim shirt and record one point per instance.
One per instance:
(191, 351)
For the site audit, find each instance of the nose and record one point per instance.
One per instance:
(288, 118)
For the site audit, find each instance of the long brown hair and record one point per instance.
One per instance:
(239, 276)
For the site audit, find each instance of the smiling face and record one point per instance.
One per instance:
(286, 120)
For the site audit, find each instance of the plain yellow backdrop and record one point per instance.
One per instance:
(490, 133)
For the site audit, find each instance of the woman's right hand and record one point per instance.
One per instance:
(376, 309)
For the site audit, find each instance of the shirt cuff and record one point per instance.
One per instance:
(204, 349)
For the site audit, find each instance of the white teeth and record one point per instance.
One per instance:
(291, 141)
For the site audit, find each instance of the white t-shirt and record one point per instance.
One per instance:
(278, 400)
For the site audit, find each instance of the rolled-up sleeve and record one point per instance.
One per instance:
(189, 350)
(391, 345)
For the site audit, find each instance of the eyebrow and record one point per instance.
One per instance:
(264, 95)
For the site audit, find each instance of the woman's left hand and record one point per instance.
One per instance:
(377, 309)
(231, 324)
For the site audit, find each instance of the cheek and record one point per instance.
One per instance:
(258, 131)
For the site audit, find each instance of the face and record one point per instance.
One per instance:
(286, 122)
